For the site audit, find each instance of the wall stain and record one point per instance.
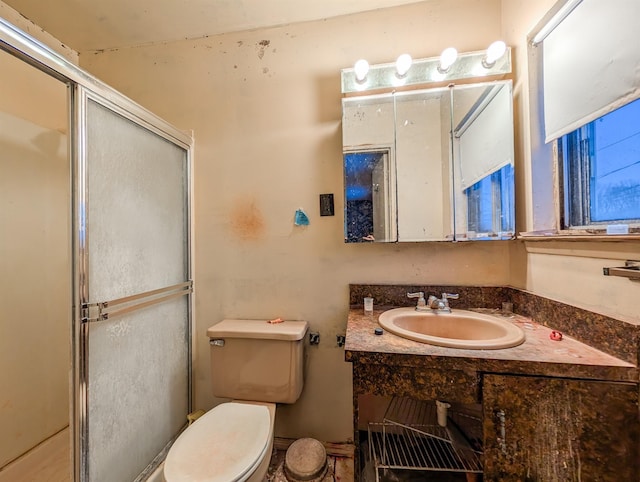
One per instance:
(262, 46)
(247, 222)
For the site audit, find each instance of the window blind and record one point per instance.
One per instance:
(485, 142)
(591, 64)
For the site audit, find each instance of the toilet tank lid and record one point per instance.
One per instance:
(259, 329)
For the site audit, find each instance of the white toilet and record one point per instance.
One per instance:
(257, 364)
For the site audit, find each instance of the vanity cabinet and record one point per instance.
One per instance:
(542, 411)
(554, 429)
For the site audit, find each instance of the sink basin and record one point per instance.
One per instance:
(458, 329)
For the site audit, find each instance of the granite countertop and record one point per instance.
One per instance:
(538, 355)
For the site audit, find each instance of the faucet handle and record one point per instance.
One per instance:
(420, 296)
(450, 296)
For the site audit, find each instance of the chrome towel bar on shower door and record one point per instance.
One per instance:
(101, 311)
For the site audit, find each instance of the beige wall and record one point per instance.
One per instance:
(35, 263)
(265, 109)
(15, 18)
(568, 271)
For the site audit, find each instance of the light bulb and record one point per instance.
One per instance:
(447, 58)
(403, 64)
(494, 52)
(361, 69)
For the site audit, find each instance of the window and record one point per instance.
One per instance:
(586, 70)
(489, 204)
(601, 170)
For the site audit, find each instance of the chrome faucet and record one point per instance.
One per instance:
(422, 304)
(442, 304)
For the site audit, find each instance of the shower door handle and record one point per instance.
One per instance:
(92, 312)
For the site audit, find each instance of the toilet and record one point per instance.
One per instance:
(256, 364)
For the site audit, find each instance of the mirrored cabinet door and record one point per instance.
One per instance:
(483, 161)
(423, 173)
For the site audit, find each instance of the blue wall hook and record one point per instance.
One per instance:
(301, 219)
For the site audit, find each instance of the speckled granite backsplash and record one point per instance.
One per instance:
(616, 337)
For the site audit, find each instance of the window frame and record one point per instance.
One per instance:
(575, 158)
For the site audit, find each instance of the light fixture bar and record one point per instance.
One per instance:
(424, 72)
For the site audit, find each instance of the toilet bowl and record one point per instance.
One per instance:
(255, 364)
(230, 443)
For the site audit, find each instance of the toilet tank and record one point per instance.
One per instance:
(258, 361)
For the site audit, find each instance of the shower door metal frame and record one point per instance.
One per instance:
(83, 86)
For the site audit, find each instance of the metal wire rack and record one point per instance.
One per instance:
(410, 438)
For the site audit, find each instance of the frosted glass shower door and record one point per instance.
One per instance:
(136, 293)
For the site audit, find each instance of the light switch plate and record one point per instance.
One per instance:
(326, 205)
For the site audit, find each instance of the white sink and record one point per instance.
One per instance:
(458, 329)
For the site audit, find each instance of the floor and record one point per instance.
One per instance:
(48, 462)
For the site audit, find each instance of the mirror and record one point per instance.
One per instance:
(429, 165)
(369, 169)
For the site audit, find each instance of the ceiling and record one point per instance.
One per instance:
(86, 25)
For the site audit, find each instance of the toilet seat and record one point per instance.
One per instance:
(226, 444)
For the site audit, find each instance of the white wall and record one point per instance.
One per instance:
(265, 109)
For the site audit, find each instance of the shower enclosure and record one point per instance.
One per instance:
(112, 182)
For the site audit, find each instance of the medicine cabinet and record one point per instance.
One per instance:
(429, 165)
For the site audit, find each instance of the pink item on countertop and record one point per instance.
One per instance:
(555, 335)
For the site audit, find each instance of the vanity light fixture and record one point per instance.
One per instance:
(447, 59)
(496, 50)
(407, 72)
(361, 69)
(555, 20)
(403, 64)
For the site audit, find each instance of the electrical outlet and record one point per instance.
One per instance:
(314, 338)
